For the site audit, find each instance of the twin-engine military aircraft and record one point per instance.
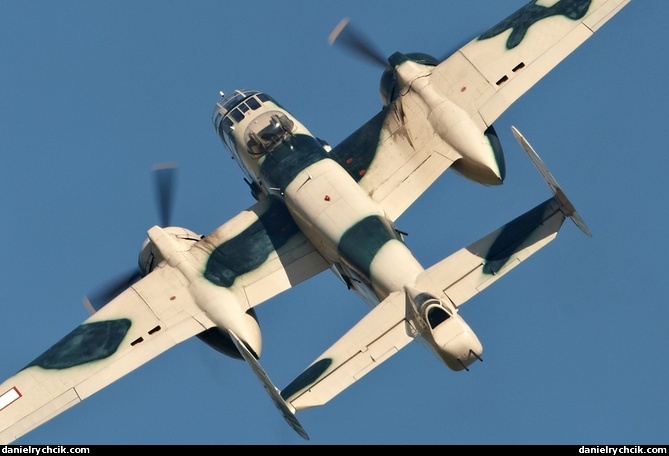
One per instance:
(322, 208)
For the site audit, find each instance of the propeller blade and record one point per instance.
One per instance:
(165, 174)
(355, 41)
(165, 178)
(100, 298)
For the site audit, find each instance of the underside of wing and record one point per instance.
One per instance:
(379, 335)
(258, 254)
(472, 269)
(153, 315)
(398, 154)
(386, 329)
(492, 71)
(395, 157)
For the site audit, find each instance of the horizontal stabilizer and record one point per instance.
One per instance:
(565, 205)
(470, 270)
(286, 410)
(380, 334)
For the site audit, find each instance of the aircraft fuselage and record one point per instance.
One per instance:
(283, 160)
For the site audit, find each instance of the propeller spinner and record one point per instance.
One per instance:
(355, 41)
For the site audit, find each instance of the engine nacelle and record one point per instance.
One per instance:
(482, 159)
(389, 86)
(220, 304)
(150, 257)
(223, 308)
(221, 341)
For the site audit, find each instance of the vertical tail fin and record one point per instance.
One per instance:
(285, 408)
(565, 205)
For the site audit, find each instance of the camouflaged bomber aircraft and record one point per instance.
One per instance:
(324, 208)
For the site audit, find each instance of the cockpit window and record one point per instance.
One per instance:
(229, 101)
(237, 115)
(234, 106)
(242, 99)
(253, 103)
(232, 109)
(436, 315)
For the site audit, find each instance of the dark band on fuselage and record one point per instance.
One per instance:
(360, 243)
(284, 162)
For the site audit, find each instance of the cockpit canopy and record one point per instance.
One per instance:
(232, 109)
(231, 100)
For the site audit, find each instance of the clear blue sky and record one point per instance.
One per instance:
(575, 340)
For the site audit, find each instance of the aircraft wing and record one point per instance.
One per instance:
(396, 157)
(389, 327)
(380, 334)
(492, 71)
(256, 255)
(151, 316)
(472, 269)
